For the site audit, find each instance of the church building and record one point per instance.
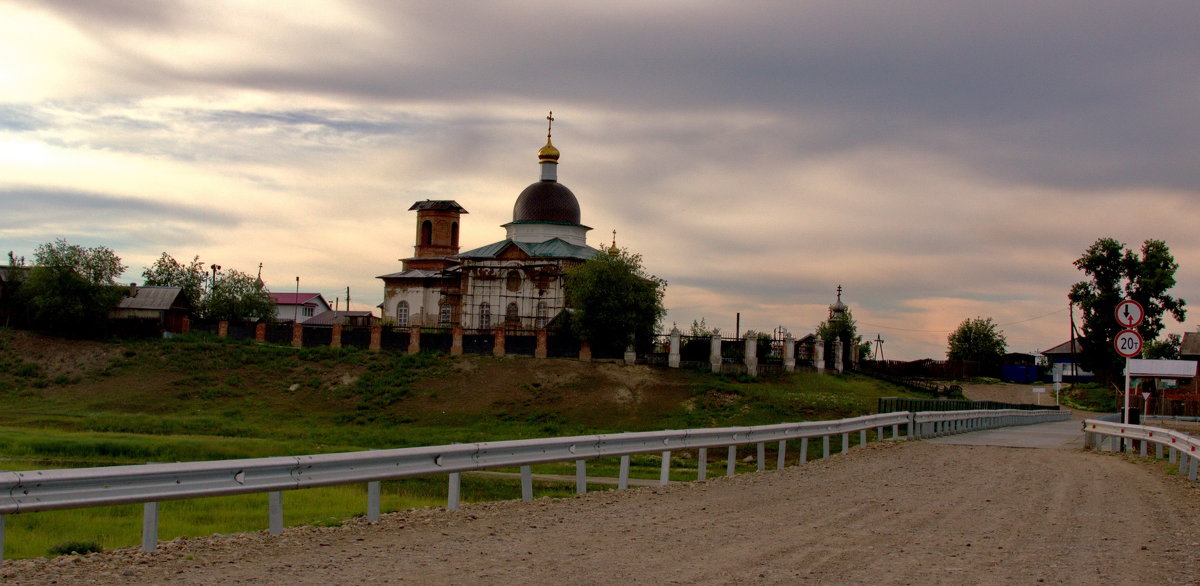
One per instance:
(516, 283)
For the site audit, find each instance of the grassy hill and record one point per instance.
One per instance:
(69, 403)
(196, 397)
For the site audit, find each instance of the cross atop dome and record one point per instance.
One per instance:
(548, 154)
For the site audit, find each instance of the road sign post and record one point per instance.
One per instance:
(1129, 314)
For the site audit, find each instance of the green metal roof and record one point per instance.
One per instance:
(553, 248)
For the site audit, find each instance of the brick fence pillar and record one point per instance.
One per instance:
(376, 337)
(297, 335)
(456, 336)
(260, 332)
(498, 344)
(585, 352)
(414, 339)
(674, 349)
(335, 340)
(789, 353)
(222, 329)
(540, 350)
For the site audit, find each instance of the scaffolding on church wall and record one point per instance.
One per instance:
(519, 296)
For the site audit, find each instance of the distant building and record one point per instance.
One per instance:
(166, 306)
(298, 307)
(1063, 362)
(346, 318)
(516, 283)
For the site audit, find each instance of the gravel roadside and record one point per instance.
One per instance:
(896, 512)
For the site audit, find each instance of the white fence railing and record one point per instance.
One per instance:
(47, 490)
(1181, 448)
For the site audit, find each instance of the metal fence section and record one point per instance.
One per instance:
(1181, 448)
(46, 490)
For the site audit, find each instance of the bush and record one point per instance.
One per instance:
(75, 548)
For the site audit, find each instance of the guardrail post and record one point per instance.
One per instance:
(879, 433)
(702, 464)
(1171, 455)
(845, 442)
(526, 483)
(454, 491)
(2, 540)
(862, 437)
(149, 527)
(275, 512)
(623, 477)
(803, 450)
(824, 446)
(374, 490)
(731, 461)
(664, 473)
(1143, 447)
(1158, 451)
(580, 476)
(762, 456)
(1195, 469)
(781, 458)
(912, 428)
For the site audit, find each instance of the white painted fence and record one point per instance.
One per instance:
(1181, 448)
(46, 490)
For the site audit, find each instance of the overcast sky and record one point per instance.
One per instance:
(938, 159)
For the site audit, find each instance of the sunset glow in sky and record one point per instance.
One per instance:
(939, 160)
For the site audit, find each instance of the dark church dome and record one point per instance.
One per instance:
(547, 201)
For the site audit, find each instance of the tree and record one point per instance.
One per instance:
(614, 302)
(1163, 349)
(98, 266)
(70, 289)
(976, 339)
(840, 327)
(237, 296)
(1116, 273)
(166, 271)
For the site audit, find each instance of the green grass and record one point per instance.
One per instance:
(199, 398)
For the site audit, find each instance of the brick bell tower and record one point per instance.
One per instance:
(437, 234)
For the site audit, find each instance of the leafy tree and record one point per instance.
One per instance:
(840, 327)
(1163, 349)
(976, 339)
(166, 271)
(237, 296)
(614, 302)
(70, 289)
(1117, 273)
(98, 265)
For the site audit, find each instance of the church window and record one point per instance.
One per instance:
(402, 314)
(513, 281)
(512, 315)
(485, 316)
(454, 234)
(540, 321)
(427, 232)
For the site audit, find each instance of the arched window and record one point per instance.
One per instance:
(485, 316)
(444, 314)
(402, 314)
(513, 281)
(454, 234)
(540, 319)
(427, 232)
(512, 315)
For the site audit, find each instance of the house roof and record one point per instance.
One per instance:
(1064, 348)
(553, 248)
(298, 298)
(439, 205)
(1190, 346)
(153, 298)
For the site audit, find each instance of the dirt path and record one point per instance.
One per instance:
(899, 513)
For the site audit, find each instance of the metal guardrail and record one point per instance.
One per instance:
(47, 490)
(1181, 448)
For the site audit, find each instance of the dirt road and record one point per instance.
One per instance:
(896, 513)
